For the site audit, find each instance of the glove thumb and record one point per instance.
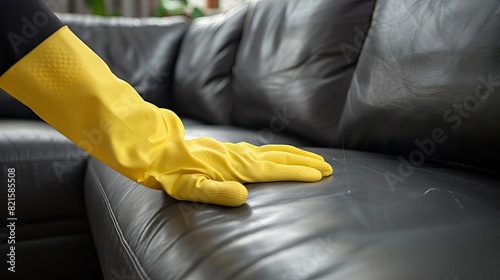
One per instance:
(199, 188)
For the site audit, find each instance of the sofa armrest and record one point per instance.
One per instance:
(51, 220)
(49, 171)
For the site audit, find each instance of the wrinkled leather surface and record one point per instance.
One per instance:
(428, 65)
(202, 87)
(440, 223)
(295, 64)
(51, 217)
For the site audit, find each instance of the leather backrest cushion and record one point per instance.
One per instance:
(141, 51)
(202, 87)
(427, 83)
(295, 64)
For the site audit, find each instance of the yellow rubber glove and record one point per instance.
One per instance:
(206, 170)
(72, 89)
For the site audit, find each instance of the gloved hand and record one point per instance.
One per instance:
(72, 89)
(206, 170)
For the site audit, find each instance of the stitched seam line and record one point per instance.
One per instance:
(137, 265)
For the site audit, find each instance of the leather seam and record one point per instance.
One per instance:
(133, 258)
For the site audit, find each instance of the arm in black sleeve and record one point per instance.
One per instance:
(24, 24)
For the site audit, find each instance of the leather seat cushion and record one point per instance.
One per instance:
(437, 223)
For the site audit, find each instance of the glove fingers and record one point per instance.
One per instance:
(295, 159)
(289, 149)
(272, 172)
(198, 188)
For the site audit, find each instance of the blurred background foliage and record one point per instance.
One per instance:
(164, 8)
(143, 8)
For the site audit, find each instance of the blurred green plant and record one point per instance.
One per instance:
(165, 8)
(178, 7)
(97, 7)
(174, 7)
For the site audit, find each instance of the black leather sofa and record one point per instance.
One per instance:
(401, 97)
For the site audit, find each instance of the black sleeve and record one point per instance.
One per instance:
(24, 24)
